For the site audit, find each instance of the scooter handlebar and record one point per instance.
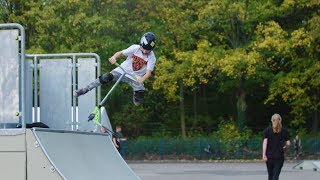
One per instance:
(133, 76)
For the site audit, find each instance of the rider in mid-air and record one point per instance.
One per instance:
(140, 62)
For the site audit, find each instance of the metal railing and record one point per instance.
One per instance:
(74, 57)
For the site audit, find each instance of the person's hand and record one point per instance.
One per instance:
(264, 157)
(112, 60)
(103, 130)
(139, 80)
(285, 148)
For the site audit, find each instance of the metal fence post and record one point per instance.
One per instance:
(199, 145)
(238, 149)
(315, 150)
(161, 149)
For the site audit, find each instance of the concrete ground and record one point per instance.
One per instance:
(217, 171)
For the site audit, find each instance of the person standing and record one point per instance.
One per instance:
(117, 137)
(297, 147)
(276, 141)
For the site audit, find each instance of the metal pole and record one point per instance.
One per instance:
(99, 73)
(35, 92)
(161, 149)
(23, 82)
(74, 102)
(114, 86)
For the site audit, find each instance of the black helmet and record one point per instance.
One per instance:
(148, 41)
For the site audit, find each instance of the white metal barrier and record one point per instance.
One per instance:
(29, 81)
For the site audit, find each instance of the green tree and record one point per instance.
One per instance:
(178, 35)
(294, 55)
(233, 50)
(230, 27)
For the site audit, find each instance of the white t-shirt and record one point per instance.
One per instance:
(136, 62)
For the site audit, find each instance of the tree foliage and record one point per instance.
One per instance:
(219, 59)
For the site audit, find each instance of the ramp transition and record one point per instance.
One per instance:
(82, 156)
(37, 154)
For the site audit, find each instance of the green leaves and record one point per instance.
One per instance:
(298, 82)
(167, 80)
(230, 48)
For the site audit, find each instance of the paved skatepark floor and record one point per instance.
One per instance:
(217, 171)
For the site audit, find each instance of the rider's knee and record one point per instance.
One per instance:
(105, 78)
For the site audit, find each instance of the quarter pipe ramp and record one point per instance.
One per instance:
(54, 154)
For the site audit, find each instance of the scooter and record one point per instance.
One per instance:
(95, 115)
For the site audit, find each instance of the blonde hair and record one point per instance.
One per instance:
(276, 123)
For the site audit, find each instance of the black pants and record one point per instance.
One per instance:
(274, 168)
(119, 150)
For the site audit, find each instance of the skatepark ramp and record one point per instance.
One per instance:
(37, 154)
(37, 88)
(308, 165)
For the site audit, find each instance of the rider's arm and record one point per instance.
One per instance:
(144, 77)
(114, 58)
(114, 142)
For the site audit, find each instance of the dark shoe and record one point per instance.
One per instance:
(79, 92)
(138, 97)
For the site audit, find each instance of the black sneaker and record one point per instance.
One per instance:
(79, 92)
(138, 97)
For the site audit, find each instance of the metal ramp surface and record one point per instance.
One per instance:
(37, 154)
(308, 165)
(82, 156)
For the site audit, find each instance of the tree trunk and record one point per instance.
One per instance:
(182, 112)
(195, 105)
(205, 101)
(315, 124)
(241, 108)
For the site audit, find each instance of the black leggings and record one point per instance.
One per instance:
(274, 168)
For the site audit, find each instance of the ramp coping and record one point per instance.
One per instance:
(12, 132)
(68, 131)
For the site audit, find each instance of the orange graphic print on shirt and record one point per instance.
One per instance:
(137, 62)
